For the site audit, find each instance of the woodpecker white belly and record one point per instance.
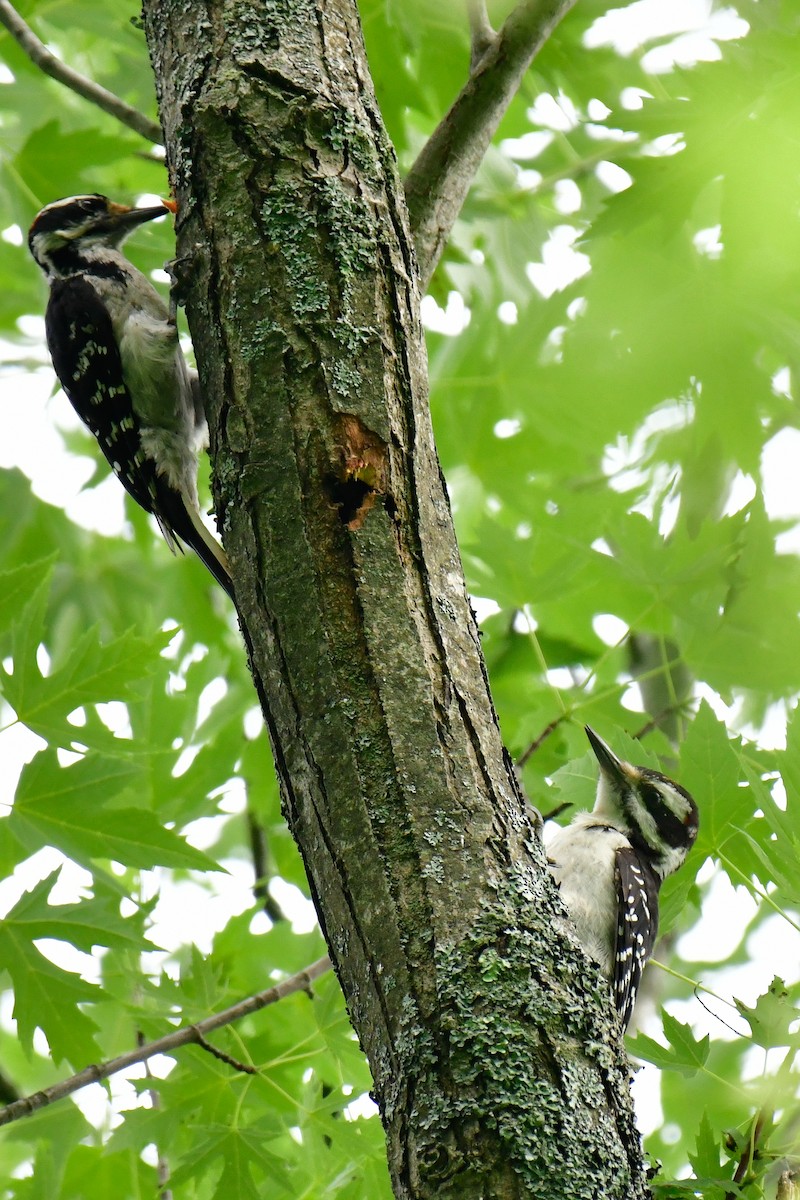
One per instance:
(611, 862)
(587, 850)
(115, 351)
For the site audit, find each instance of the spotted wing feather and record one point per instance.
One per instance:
(87, 361)
(637, 892)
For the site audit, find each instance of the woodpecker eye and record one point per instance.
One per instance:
(86, 206)
(651, 796)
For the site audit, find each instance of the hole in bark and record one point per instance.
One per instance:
(353, 498)
(360, 472)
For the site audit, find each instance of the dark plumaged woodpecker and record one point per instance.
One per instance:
(610, 863)
(115, 351)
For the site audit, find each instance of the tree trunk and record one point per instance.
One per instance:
(496, 1057)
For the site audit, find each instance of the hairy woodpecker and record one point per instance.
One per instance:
(611, 862)
(115, 351)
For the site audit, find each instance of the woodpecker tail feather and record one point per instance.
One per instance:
(180, 523)
(210, 552)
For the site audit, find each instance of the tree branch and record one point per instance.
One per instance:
(38, 53)
(443, 172)
(260, 854)
(162, 1166)
(481, 31)
(533, 746)
(8, 1093)
(751, 1147)
(664, 682)
(187, 1035)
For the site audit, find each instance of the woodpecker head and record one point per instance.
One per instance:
(67, 233)
(658, 815)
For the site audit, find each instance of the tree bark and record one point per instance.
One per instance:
(496, 1058)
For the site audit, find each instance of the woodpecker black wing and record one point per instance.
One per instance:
(87, 361)
(637, 927)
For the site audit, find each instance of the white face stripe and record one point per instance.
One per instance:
(48, 240)
(53, 238)
(668, 858)
(56, 204)
(68, 202)
(634, 814)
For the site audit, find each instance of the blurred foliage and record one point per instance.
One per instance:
(626, 268)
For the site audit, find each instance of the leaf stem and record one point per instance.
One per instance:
(759, 891)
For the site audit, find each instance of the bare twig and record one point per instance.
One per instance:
(711, 1012)
(557, 811)
(162, 1166)
(536, 743)
(481, 31)
(228, 1059)
(657, 721)
(260, 854)
(38, 53)
(187, 1035)
(443, 172)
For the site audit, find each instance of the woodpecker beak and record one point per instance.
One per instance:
(123, 218)
(616, 770)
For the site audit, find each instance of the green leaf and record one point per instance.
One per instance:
(710, 771)
(678, 893)
(94, 1174)
(91, 673)
(19, 588)
(244, 1159)
(706, 1160)
(684, 1053)
(789, 823)
(77, 809)
(774, 1019)
(47, 160)
(47, 997)
(88, 923)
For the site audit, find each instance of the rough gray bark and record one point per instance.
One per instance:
(495, 1054)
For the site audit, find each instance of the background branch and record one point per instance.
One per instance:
(186, 1035)
(481, 31)
(260, 855)
(162, 1166)
(439, 180)
(38, 53)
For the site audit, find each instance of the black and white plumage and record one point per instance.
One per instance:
(611, 862)
(115, 351)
